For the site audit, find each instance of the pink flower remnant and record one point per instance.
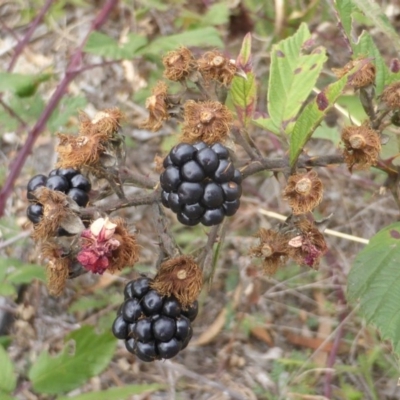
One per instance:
(98, 245)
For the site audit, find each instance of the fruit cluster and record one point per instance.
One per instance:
(67, 180)
(153, 327)
(200, 183)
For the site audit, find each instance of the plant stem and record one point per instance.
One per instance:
(22, 43)
(40, 125)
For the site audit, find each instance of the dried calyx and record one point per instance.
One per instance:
(362, 146)
(157, 105)
(207, 121)
(273, 248)
(98, 138)
(362, 77)
(213, 65)
(391, 96)
(299, 240)
(180, 277)
(179, 64)
(59, 211)
(303, 192)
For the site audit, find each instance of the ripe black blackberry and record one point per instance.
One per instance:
(200, 183)
(152, 326)
(67, 180)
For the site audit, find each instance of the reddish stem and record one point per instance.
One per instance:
(21, 44)
(71, 72)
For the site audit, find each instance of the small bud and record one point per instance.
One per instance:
(180, 277)
(395, 65)
(273, 249)
(179, 64)
(207, 121)
(213, 65)
(303, 192)
(362, 146)
(157, 105)
(363, 77)
(391, 96)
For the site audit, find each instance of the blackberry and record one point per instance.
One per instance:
(67, 180)
(200, 183)
(58, 183)
(79, 196)
(153, 327)
(34, 183)
(78, 181)
(34, 212)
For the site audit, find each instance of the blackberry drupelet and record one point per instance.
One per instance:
(153, 327)
(200, 183)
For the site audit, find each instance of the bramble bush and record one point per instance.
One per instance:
(214, 101)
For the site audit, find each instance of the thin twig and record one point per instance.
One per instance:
(327, 231)
(167, 241)
(118, 204)
(20, 236)
(22, 43)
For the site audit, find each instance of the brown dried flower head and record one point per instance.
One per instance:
(59, 211)
(273, 249)
(107, 245)
(309, 245)
(79, 151)
(208, 121)
(158, 107)
(180, 277)
(362, 146)
(105, 123)
(179, 64)
(303, 192)
(57, 267)
(363, 77)
(213, 65)
(391, 96)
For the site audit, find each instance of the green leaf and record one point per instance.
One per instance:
(244, 96)
(22, 85)
(367, 48)
(8, 379)
(119, 393)
(243, 91)
(375, 280)
(5, 396)
(103, 45)
(312, 116)
(64, 111)
(374, 12)
(217, 14)
(292, 77)
(208, 36)
(92, 354)
(14, 272)
(345, 9)
(244, 58)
